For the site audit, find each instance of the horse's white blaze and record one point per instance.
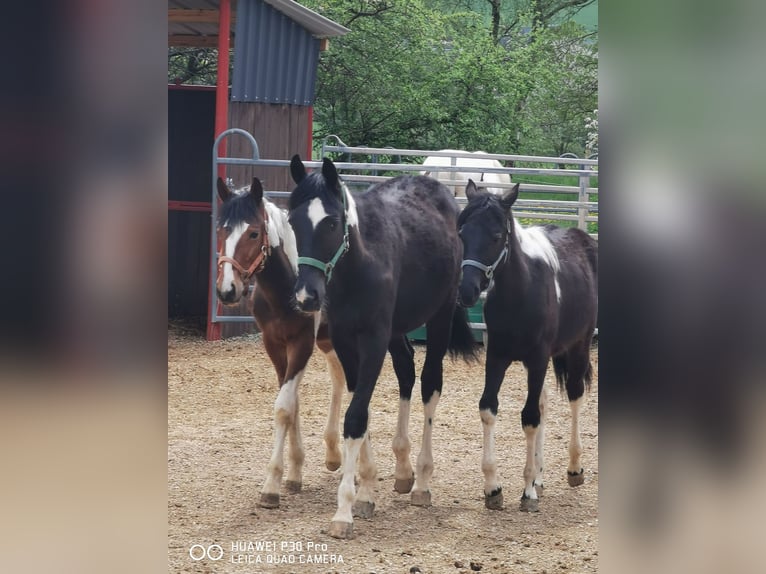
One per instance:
(302, 295)
(280, 233)
(346, 489)
(535, 244)
(575, 444)
(488, 461)
(331, 433)
(401, 444)
(227, 279)
(530, 468)
(316, 212)
(425, 464)
(352, 217)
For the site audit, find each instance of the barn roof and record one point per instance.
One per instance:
(195, 22)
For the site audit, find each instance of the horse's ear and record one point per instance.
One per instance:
(223, 190)
(510, 197)
(297, 169)
(471, 190)
(330, 173)
(256, 190)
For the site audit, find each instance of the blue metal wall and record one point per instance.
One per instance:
(275, 59)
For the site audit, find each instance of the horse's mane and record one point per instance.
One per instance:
(280, 232)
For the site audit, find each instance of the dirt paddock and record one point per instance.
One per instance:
(220, 434)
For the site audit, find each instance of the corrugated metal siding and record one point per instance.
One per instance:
(275, 59)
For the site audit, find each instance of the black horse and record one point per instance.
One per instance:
(541, 302)
(381, 264)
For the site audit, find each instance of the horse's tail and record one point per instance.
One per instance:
(461, 343)
(562, 373)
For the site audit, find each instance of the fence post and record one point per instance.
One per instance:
(582, 210)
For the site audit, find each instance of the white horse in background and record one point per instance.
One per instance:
(461, 177)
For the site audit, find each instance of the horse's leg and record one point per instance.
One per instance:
(270, 491)
(370, 357)
(530, 422)
(578, 369)
(364, 505)
(497, 364)
(539, 443)
(437, 340)
(338, 379)
(402, 356)
(332, 432)
(298, 354)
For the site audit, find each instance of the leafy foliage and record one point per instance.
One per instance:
(505, 76)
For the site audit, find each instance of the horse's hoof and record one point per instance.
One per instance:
(404, 485)
(342, 530)
(576, 478)
(293, 486)
(269, 500)
(494, 500)
(332, 464)
(529, 504)
(363, 508)
(420, 498)
(540, 489)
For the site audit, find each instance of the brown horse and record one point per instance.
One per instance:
(257, 242)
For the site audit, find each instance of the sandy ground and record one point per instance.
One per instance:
(220, 433)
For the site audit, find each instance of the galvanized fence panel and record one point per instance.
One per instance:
(361, 174)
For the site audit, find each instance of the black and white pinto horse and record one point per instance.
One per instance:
(541, 303)
(381, 264)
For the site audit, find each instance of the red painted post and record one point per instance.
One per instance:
(213, 332)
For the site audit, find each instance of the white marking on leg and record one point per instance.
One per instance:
(540, 440)
(227, 279)
(401, 443)
(575, 444)
(488, 460)
(331, 433)
(316, 212)
(296, 452)
(368, 471)
(346, 489)
(530, 468)
(285, 408)
(425, 464)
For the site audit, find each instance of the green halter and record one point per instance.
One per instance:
(328, 267)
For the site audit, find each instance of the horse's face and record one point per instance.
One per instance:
(319, 220)
(484, 227)
(242, 239)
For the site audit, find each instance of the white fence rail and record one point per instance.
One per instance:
(580, 209)
(361, 166)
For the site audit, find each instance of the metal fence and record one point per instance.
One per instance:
(364, 166)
